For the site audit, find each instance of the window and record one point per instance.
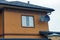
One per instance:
(27, 21)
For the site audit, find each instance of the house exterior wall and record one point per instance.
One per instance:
(55, 37)
(13, 24)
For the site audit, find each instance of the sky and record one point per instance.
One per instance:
(54, 23)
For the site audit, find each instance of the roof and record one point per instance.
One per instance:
(48, 33)
(53, 35)
(26, 5)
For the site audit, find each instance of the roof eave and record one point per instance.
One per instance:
(47, 10)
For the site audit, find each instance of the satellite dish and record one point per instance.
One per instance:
(47, 18)
(44, 18)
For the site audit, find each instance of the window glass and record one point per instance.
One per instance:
(23, 20)
(31, 22)
(27, 21)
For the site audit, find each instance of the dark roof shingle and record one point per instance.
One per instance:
(26, 5)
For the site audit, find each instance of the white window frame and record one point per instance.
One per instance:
(30, 20)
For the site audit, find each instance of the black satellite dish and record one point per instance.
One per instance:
(44, 18)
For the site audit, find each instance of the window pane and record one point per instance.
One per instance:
(27, 20)
(23, 20)
(31, 22)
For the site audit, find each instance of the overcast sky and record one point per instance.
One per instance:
(54, 23)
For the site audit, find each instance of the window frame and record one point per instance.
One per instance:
(27, 26)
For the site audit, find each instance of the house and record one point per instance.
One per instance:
(51, 35)
(22, 20)
(54, 36)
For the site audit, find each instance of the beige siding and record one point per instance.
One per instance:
(55, 37)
